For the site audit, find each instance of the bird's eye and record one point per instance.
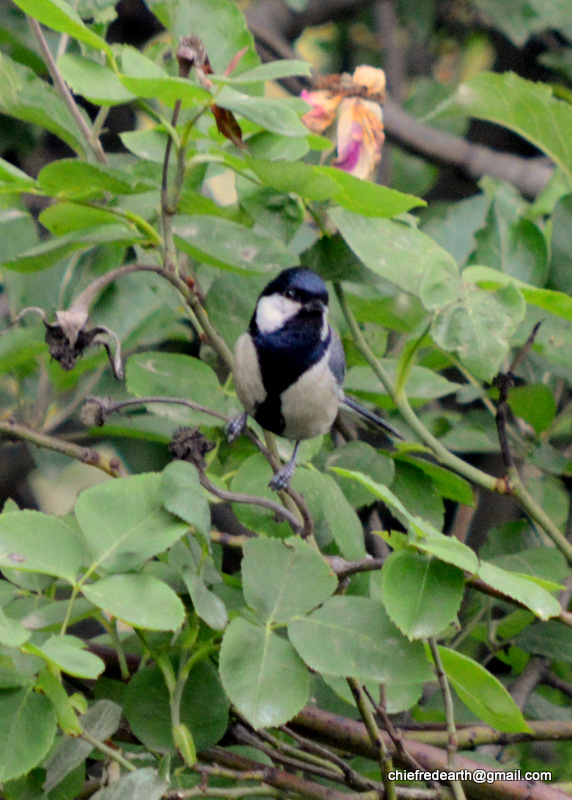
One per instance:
(290, 294)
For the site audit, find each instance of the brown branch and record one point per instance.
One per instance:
(14, 430)
(352, 736)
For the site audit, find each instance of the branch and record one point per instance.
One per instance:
(61, 86)
(352, 736)
(86, 455)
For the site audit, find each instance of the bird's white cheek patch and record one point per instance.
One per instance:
(274, 311)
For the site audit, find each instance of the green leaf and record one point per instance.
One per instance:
(424, 536)
(551, 639)
(396, 252)
(272, 115)
(262, 674)
(176, 375)
(331, 510)
(422, 384)
(62, 17)
(182, 495)
(70, 177)
(523, 19)
(139, 600)
(208, 606)
(169, 90)
(101, 720)
(11, 174)
(556, 302)
(476, 325)
(415, 489)
(124, 522)
(282, 579)
(12, 632)
(62, 218)
(28, 98)
(27, 730)
(17, 231)
(421, 595)
(449, 485)
(97, 83)
(328, 183)
(527, 108)
(363, 457)
(534, 403)
(143, 783)
(521, 588)
(204, 707)
(226, 244)
(482, 692)
(70, 655)
(272, 71)
(34, 542)
(561, 246)
(61, 701)
(50, 251)
(353, 636)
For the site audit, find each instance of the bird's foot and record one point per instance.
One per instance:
(235, 427)
(282, 479)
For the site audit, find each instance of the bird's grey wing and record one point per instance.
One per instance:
(337, 359)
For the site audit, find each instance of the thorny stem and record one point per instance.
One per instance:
(385, 761)
(61, 86)
(452, 744)
(86, 455)
(511, 485)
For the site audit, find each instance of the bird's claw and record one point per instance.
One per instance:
(282, 478)
(235, 427)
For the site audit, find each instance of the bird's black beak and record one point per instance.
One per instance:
(315, 305)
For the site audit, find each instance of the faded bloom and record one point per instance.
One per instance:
(355, 100)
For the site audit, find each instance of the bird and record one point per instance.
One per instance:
(289, 366)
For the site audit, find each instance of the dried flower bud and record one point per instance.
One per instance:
(95, 411)
(191, 53)
(190, 445)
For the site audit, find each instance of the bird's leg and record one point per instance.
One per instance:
(236, 426)
(282, 478)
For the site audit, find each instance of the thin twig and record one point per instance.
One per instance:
(452, 744)
(56, 76)
(383, 754)
(110, 752)
(86, 455)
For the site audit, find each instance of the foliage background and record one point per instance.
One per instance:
(468, 586)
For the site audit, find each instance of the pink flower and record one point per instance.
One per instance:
(355, 102)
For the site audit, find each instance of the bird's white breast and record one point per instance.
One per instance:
(310, 405)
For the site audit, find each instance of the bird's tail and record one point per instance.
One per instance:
(369, 416)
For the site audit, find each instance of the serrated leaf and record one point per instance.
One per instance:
(556, 302)
(35, 542)
(482, 692)
(527, 108)
(124, 522)
(27, 730)
(421, 595)
(139, 600)
(353, 636)
(282, 579)
(450, 485)
(521, 588)
(182, 495)
(396, 252)
(226, 244)
(262, 674)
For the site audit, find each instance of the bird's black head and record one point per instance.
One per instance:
(299, 284)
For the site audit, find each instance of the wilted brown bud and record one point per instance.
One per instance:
(189, 444)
